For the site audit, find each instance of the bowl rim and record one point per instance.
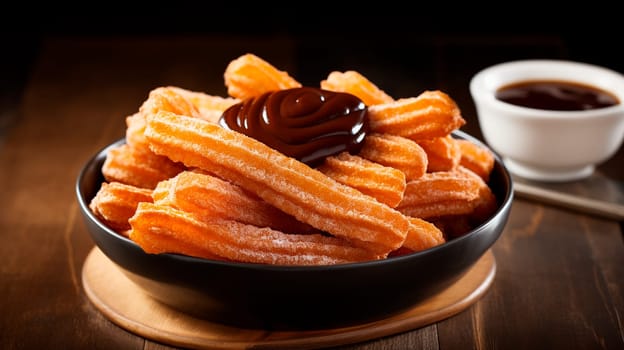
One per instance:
(480, 92)
(504, 205)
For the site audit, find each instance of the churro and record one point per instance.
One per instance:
(135, 126)
(430, 114)
(397, 152)
(422, 235)
(209, 197)
(280, 173)
(441, 193)
(443, 153)
(476, 158)
(210, 107)
(184, 233)
(134, 167)
(386, 184)
(115, 203)
(170, 99)
(356, 84)
(282, 181)
(250, 76)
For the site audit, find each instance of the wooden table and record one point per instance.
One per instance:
(560, 274)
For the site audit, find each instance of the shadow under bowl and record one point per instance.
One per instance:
(294, 297)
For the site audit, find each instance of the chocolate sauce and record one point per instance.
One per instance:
(556, 95)
(305, 123)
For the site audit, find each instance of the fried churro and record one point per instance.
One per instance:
(386, 184)
(163, 229)
(250, 76)
(422, 235)
(441, 193)
(134, 167)
(430, 114)
(115, 203)
(396, 152)
(443, 153)
(209, 197)
(356, 84)
(282, 181)
(281, 173)
(476, 158)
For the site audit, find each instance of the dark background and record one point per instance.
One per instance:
(591, 30)
(393, 44)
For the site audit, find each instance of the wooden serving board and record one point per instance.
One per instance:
(126, 305)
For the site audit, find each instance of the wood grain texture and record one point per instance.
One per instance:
(550, 291)
(126, 305)
(609, 210)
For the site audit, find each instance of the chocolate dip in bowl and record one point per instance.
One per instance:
(550, 120)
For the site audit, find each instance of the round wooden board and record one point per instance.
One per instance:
(121, 301)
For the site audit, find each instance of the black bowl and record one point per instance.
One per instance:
(294, 297)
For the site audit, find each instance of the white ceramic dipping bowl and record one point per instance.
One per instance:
(548, 145)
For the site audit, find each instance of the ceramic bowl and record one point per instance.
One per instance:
(549, 145)
(293, 297)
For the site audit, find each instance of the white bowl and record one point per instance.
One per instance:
(549, 145)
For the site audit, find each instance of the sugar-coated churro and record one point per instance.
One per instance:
(397, 152)
(356, 84)
(430, 114)
(209, 197)
(386, 184)
(441, 193)
(163, 229)
(280, 173)
(282, 181)
(115, 203)
(128, 165)
(443, 153)
(251, 76)
(476, 158)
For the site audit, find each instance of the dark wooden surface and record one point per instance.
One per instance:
(560, 277)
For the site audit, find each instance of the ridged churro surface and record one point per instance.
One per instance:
(280, 173)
